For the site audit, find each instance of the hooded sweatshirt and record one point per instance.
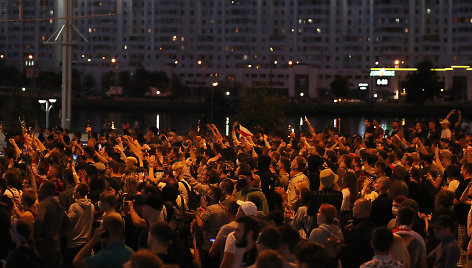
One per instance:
(323, 233)
(80, 216)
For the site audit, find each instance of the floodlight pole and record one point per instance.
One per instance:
(67, 66)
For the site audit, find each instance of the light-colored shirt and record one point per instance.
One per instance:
(382, 261)
(230, 247)
(297, 183)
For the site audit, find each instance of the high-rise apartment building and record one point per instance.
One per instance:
(295, 46)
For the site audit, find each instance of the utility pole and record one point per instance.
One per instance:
(67, 66)
(66, 31)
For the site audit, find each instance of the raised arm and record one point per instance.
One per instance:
(310, 128)
(465, 195)
(437, 160)
(233, 134)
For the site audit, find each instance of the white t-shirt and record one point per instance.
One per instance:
(13, 194)
(346, 199)
(230, 247)
(453, 185)
(446, 134)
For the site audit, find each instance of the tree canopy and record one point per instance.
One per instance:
(422, 84)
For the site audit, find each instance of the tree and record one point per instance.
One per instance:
(262, 111)
(49, 80)
(422, 84)
(108, 80)
(76, 80)
(177, 88)
(340, 87)
(89, 82)
(10, 76)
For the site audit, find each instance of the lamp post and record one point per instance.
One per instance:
(47, 107)
(214, 84)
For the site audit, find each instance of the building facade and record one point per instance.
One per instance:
(295, 46)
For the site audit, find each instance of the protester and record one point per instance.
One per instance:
(382, 241)
(201, 199)
(115, 254)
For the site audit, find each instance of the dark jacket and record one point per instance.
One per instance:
(382, 210)
(51, 221)
(356, 248)
(326, 195)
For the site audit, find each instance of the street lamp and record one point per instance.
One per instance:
(47, 107)
(214, 84)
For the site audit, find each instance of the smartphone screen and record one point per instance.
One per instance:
(75, 158)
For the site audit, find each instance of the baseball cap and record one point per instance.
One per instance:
(247, 207)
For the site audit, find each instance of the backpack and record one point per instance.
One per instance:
(193, 198)
(175, 213)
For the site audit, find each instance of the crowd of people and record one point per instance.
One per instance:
(313, 198)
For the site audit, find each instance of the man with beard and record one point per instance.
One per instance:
(242, 242)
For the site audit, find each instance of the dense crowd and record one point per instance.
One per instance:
(313, 198)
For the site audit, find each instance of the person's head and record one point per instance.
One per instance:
(11, 178)
(328, 178)
(160, 236)
(143, 259)
(28, 198)
(54, 171)
(246, 208)
(380, 168)
(226, 187)
(443, 227)
(311, 255)
(269, 258)
(269, 238)
(444, 199)
(381, 240)
(151, 133)
(298, 164)
(289, 238)
(115, 166)
(395, 124)
(89, 151)
(21, 232)
(326, 214)
(81, 190)
(382, 184)
(453, 171)
(113, 224)
(247, 231)
(231, 210)
(397, 187)
(466, 170)
(445, 123)
(406, 216)
(213, 195)
(362, 208)
(177, 169)
(46, 189)
(284, 163)
(107, 201)
(152, 207)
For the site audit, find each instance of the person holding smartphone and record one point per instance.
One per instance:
(114, 254)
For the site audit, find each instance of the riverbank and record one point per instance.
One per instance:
(293, 108)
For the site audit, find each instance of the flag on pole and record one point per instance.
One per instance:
(244, 132)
